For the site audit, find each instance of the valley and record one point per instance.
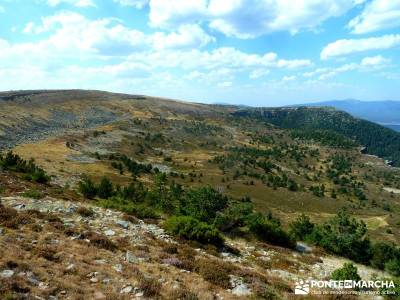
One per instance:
(267, 165)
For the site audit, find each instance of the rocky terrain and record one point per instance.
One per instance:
(72, 250)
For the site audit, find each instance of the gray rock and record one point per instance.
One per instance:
(109, 232)
(6, 273)
(126, 290)
(122, 223)
(239, 288)
(303, 248)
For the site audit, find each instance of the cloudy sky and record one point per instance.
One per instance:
(254, 52)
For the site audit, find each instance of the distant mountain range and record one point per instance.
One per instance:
(386, 113)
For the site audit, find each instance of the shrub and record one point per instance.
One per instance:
(203, 203)
(234, 216)
(192, 229)
(347, 272)
(35, 194)
(301, 227)
(393, 266)
(99, 240)
(14, 162)
(269, 230)
(215, 272)
(138, 210)
(345, 236)
(105, 189)
(85, 212)
(11, 218)
(87, 188)
(150, 286)
(381, 253)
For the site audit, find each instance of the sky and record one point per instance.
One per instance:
(251, 52)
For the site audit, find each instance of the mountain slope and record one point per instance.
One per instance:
(382, 112)
(376, 139)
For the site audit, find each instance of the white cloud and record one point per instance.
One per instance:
(109, 36)
(349, 46)
(247, 18)
(135, 3)
(375, 61)
(2, 10)
(371, 63)
(224, 57)
(190, 36)
(77, 3)
(377, 15)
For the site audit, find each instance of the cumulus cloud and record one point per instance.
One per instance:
(247, 18)
(350, 46)
(187, 36)
(72, 31)
(375, 61)
(370, 63)
(377, 15)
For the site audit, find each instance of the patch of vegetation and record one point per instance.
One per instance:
(192, 229)
(35, 194)
(85, 212)
(324, 137)
(269, 230)
(347, 272)
(13, 162)
(344, 235)
(215, 272)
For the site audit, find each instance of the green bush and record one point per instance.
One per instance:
(381, 253)
(269, 230)
(203, 203)
(32, 172)
(87, 188)
(343, 235)
(35, 194)
(105, 189)
(301, 227)
(347, 272)
(138, 210)
(234, 216)
(192, 229)
(393, 266)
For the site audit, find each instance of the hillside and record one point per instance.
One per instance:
(129, 196)
(386, 113)
(376, 139)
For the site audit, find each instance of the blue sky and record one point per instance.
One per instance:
(254, 52)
